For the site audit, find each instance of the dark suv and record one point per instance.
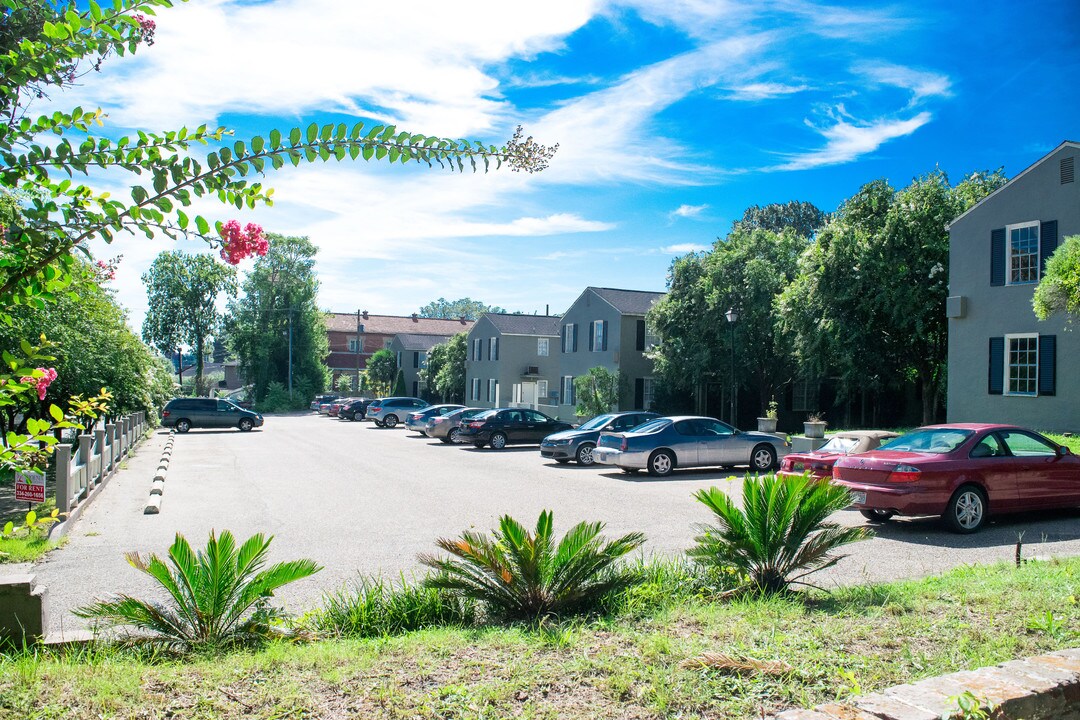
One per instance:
(186, 413)
(512, 426)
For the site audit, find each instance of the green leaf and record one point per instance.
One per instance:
(312, 132)
(294, 136)
(257, 144)
(56, 412)
(202, 225)
(139, 194)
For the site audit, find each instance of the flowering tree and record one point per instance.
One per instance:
(46, 46)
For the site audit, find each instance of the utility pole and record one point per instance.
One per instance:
(359, 348)
(290, 353)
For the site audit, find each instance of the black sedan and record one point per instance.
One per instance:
(354, 410)
(510, 426)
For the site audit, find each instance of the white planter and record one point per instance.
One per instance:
(765, 424)
(814, 429)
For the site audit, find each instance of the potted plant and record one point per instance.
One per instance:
(814, 427)
(768, 423)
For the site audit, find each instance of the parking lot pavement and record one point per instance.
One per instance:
(363, 500)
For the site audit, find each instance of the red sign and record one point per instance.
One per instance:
(29, 487)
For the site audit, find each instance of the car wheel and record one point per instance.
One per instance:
(629, 471)
(877, 515)
(454, 436)
(562, 461)
(967, 510)
(446, 441)
(380, 423)
(584, 454)
(390, 421)
(498, 441)
(246, 424)
(479, 445)
(182, 426)
(763, 458)
(661, 463)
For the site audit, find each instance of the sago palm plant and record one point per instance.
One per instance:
(526, 576)
(780, 535)
(217, 597)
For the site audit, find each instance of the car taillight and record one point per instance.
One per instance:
(785, 465)
(476, 424)
(904, 473)
(165, 413)
(438, 420)
(624, 445)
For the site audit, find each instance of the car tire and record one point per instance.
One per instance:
(183, 425)
(454, 437)
(629, 471)
(661, 463)
(584, 454)
(562, 461)
(967, 510)
(479, 445)
(380, 423)
(498, 441)
(390, 421)
(245, 424)
(446, 441)
(763, 458)
(876, 515)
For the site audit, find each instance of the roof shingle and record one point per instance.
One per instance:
(629, 302)
(543, 325)
(396, 325)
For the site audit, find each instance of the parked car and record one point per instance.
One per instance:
(663, 444)
(509, 426)
(186, 413)
(447, 428)
(323, 399)
(417, 420)
(578, 443)
(819, 463)
(355, 409)
(964, 473)
(388, 412)
(336, 405)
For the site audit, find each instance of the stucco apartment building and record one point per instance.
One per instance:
(1004, 364)
(354, 337)
(512, 360)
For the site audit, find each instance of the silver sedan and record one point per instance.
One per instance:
(667, 443)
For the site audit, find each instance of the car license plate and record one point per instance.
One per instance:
(858, 498)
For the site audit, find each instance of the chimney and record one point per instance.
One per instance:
(364, 314)
(547, 310)
(414, 316)
(463, 320)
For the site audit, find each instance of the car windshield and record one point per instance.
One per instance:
(597, 422)
(930, 440)
(651, 426)
(841, 445)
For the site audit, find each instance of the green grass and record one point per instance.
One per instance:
(26, 548)
(627, 664)
(1073, 443)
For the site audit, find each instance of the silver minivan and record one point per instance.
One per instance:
(186, 413)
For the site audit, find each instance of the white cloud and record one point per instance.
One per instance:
(688, 211)
(922, 84)
(684, 248)
(763, 91)
(847, 141)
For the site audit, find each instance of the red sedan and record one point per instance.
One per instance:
(819, 463)
(963, 472)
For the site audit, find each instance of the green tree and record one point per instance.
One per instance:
(381, 370)
(1059, 289)
(445, 371)
(183, 291)
(453, 309)
(802, 217)
(598, 391)
(279, 306)
(399, 384)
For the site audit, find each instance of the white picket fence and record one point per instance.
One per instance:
(80, 468)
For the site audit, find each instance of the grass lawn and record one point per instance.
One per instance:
(837, 644)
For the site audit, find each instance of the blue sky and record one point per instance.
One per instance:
(672, 116)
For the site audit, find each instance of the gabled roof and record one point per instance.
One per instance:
(396, 324)
(410, 341)
(541, 325)
(628, 302)
(1067, 143)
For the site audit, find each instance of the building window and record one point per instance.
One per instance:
(542, 391)
(647, 394)
(493, 391)
(476, 388)
(477, 349)
(598, 342)
(569, 338)
(568, 390)
(398, 357)
(542, 347)
(353, 345)
(1022, 364)
(386, 343)
(493, 348)
(1023, 247)
(804, 395)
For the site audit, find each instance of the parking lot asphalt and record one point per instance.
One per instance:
(364, 500)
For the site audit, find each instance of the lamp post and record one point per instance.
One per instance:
(732, 316)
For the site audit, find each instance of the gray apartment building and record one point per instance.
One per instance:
(512, 360)
(411, 351)
(605, 327)
(1004, 364)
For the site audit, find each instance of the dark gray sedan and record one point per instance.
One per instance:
(664, 444)
(578, 444)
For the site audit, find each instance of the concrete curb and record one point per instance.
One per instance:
(157, 487)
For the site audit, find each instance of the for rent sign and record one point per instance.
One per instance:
(30, 487)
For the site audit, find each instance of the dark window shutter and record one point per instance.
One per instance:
(416, 359)
(1048, 240)
(574, 339)
(605, 327)
(996, 377)
(1047, 364)
(592, 334)
(997, 256)
(639, 394)
(640, 336)
(562, 339)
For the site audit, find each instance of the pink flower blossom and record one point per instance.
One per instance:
(237, 244)
(146, 26)
(42, 383)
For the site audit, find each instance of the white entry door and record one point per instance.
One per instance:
(528, 394)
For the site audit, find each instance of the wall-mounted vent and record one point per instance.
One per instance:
(1068, 170)
(532, 370)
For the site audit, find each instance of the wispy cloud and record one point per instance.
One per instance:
(684, 248)
(922, 83)
(763, 91)
(687, 211)
(847, 141)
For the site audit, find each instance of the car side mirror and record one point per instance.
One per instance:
(1063, 450)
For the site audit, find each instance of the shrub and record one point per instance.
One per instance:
(780, 535)
(217, 598)
(375, 608)
(277, 399)
(521, 575)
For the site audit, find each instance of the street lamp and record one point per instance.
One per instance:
(732, 316)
